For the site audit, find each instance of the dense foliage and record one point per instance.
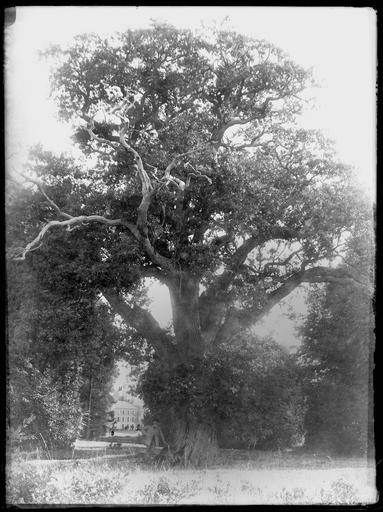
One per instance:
(337, 359)
(254, 396)
(41, 412)
(60, 338)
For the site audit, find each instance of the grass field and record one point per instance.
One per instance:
(239, 477)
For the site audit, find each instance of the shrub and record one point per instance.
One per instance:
(249, 393)
(42, 411)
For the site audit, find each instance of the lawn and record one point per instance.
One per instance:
(239, 477)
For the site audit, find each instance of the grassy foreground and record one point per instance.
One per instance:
(239, 477)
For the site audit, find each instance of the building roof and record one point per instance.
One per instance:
(123, 404)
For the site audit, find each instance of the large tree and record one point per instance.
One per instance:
(195, 176)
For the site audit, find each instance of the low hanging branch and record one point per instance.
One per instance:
(238, 320)
(139, 231)
(69, 224)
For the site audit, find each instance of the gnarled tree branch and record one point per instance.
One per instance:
(239, 257)
(284, 262)
(259, 113)
(69, 224)
(215, 300)
(238, 320)
(144, 323)
(40, 186)
(140, 231)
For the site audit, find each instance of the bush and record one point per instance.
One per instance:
(249, 393)
(42, 412)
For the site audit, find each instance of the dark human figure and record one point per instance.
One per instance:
(154, 436)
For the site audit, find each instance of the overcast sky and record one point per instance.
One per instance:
(338, 43)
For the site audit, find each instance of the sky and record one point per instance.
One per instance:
(338, 43)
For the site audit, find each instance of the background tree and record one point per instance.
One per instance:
(60, 338)
(196, 176)
(337, 359)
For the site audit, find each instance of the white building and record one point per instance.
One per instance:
(128, 413)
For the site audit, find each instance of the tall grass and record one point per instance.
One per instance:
(117, 481)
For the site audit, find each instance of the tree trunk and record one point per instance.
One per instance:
(184, 295)
(194, 443)
(89, 408)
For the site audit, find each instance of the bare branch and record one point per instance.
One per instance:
(122, 111)
(218, 291)
(173, 163)
(237, 320)
(259, 113)
(196, 174)
(40, 186)
(66, 223)
(140, 231)
(282, 262)
(253, 143)
(318, 274)
(90, 129)
(240, 255)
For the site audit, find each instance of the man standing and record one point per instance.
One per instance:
(154, 436)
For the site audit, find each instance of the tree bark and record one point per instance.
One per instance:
(194, 443)
(184, 296)
(89, 408)
(145, 324)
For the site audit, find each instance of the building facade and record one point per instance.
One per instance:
(128, 414)
(127, 410)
